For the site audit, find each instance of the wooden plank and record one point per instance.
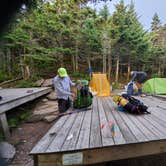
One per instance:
(17, 99)
(133, 128)
(157, 114)
(151, 126)
(5, 126)
(12, 94)
(107, 138)
(148, 134)
(84, 135)
(45, 141)
(57, 143)
(71, 141)
(152, 101)
(117, 152)
(121, 125)
(108, 108)
(95, 135)
(160, 128)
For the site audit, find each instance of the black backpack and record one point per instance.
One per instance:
(135, 106)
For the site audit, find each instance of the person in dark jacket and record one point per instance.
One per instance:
(138, 77)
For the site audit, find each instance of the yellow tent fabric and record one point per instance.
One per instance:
(100, 84)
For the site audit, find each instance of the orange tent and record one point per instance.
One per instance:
(100, 85)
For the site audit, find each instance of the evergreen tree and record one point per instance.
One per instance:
(156, 23)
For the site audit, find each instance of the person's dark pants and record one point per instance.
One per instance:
(63, 105)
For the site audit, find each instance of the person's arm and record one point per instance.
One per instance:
(133, 76)
(71, 83)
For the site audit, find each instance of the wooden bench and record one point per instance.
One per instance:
(86, 138)
(12, 98)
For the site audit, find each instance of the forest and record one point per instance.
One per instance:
(69, 33)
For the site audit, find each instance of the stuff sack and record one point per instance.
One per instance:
(134, 105)
(84, 98)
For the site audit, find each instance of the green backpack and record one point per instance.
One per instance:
(84, 97)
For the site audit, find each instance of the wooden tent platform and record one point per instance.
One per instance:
(14, 97)
(85, 137)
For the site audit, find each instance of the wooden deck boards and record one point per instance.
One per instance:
(14, 97)
(88, 133)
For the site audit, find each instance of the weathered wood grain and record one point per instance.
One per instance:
(107, 138)
(95, 135)
(121, 129)
(108, 108)
(72, 138)
(57, 143)
(84, 135)
(45, 141)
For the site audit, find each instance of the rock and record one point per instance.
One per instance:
(7, 151)
(39, 82)
(50, 118)
(46, 111)
(45, 100)
(52, 96)
(48, 82)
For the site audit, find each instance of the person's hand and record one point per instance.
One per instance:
(73, 95)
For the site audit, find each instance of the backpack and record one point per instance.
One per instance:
(84, 98)
(135, 106)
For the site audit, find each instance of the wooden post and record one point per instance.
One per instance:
(5, 126)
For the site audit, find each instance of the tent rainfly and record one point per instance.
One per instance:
(155, 86)
(100, 85)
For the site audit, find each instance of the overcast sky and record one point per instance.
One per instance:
(145, 9)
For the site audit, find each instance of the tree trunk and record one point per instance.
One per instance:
(89, 62)
(128, 71)
(117, 70)
(27, 72)
(109, 62)
(76, 57)
(8, 54)
(104, 52)
(73, 62)
(22, 67)
(159, 69)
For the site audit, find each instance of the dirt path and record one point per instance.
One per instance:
(24, 138)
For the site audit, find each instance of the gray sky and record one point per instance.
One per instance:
(145, 9)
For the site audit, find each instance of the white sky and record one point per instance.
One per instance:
(145, 9)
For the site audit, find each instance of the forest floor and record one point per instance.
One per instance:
(24, 138)
(27, 133)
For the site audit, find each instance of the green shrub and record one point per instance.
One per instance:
(2, 137)
(4, 76)
(26, 84)
(81, 76)
(16, 119)
(115, 86)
